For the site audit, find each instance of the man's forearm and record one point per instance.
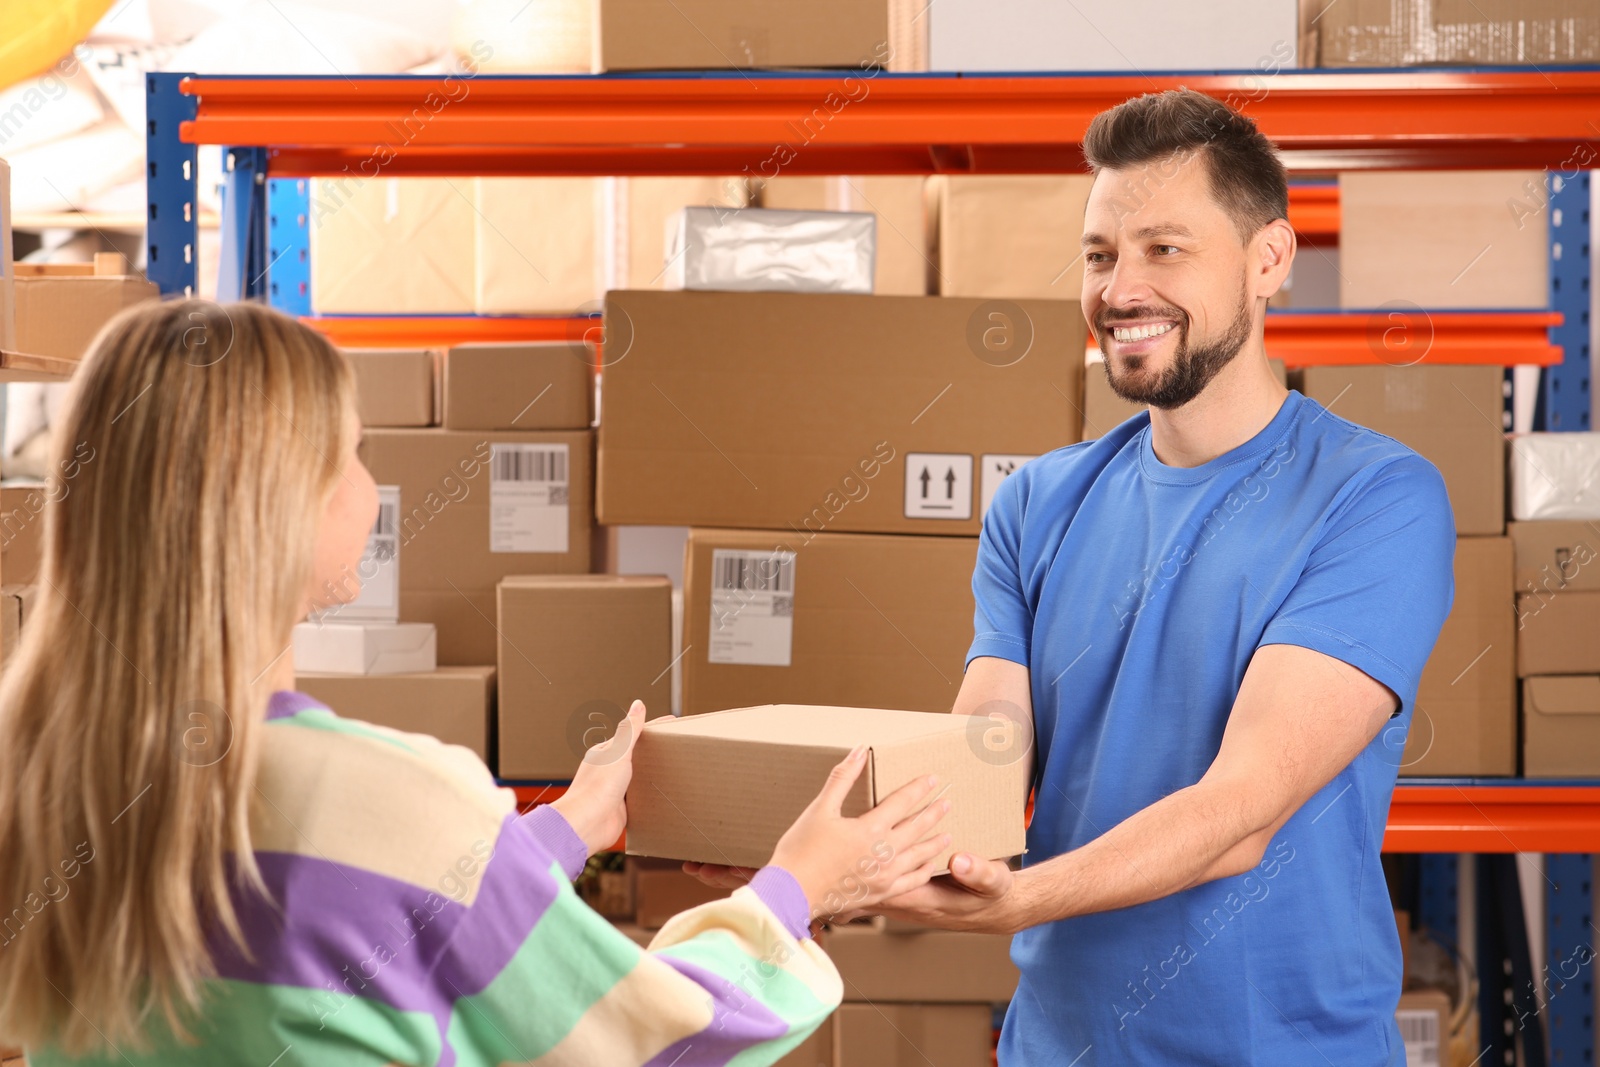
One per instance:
(1195, 835)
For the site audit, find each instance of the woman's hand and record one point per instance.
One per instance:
(855, 863)
(594, 802)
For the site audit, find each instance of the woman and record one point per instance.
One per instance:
(204, 866)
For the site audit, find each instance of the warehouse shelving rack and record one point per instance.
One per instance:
(276, 132)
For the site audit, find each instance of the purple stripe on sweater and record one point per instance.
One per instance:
(286, 702)
(738, 1020)
(555, 833)
(780, 891)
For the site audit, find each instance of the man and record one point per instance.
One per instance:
(1214, 619)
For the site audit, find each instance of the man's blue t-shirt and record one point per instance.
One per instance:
(1136, 594)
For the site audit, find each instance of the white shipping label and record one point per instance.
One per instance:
(938, 485)
(997, 467)
(752, 607)
(379, 569)
(528, 498)
(1420, 1032)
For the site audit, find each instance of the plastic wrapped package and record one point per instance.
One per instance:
(1555, 476)
(767, 250)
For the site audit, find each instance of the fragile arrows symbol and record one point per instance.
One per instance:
(950, 484)
(926, 477)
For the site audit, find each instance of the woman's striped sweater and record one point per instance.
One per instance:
(417, 919)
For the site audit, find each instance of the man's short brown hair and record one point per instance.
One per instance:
(1247, 177)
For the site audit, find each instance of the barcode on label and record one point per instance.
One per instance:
(772, 574)
(388, 519)
(529, 465)
(1420, 1032)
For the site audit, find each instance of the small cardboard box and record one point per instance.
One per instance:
(1450, 415)
(1558, 633)
(1419, 241)
(451, 703)
(897, 200)
(519, 387)
(723, 787)
(1465, 719)
(1556, 555)
(539, 245)
(913, 1035)
(1411, 33)
(927, 966)
(21, 532)
(15, 603)
(394, 386)
(366, 647)
(575, 651)
(740, 34)
(1009, 236)
(661, 890)
(1423, 1015)
(1104, 410)
(476, 506)
(1561, 726)
(60, 308)
(749, 423)
(854, 620)
(401, 245)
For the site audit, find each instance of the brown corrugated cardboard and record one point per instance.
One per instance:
(519, 387)
(1009, 236)
(1423, 1016)
(1104, 409)
(1442, 239)
(929, 966)
(1558, 633)
(661, 890)
(771, 761)
(1556, 555)
(1448, 414)
(740, 34)
(464, 526)
(10, 619)
(1465, 720)
(59, 311)
(394, 386)
(539, 244)
(815, 1051)
(903, 263)
(1409, 33)
(574, 652)
(913, 1035)
(403, 245)
(641, 209)
(871, 620)
(1561, 726)
(21, 532)
(453, 704)
(8, 290)
(805, 412)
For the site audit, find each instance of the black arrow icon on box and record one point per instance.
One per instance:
(926, 478)
(950, 484)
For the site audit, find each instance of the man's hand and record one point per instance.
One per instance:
(593, 803)
(982, 896)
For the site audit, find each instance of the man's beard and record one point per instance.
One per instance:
(1191, 370)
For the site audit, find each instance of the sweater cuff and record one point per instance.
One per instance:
(552, 830)
(780, 891)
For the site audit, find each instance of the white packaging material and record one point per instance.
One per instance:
(365, 647)
(1555, 476)
(766, 250)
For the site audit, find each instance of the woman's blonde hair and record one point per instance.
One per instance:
(189, 476)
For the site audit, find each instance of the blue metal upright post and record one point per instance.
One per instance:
(172, 225)
(1438, 903)
(1567, 982)
(242, 273)
(1564, 388)
(289, 245)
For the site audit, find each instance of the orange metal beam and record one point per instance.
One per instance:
(442, 331)
(848, 123)
(1494, 818)
(1314, 213)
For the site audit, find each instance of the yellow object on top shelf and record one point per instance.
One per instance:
(36, 33)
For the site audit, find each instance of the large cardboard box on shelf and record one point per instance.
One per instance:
(859, 620)
(723, 787)
(913, 1035)
(16, 601)
(1432, 240)
(805, 412)
(1465, 719)
(476, 506)
(395, 386)
(1558, 632)
(547, 386)
(60, 307)
(1561, 726)
(1104, 410)
(739, 34)
(1556, 555)
(661, 890)
(1009, 237)
(903, 263)
(1410, 33)
(1031, 35)
(928, 966)
(453, 704)
(641, 211)
(1450, 415)
(575, 651)
(22, 531)
(392, 245)
(540, 245)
